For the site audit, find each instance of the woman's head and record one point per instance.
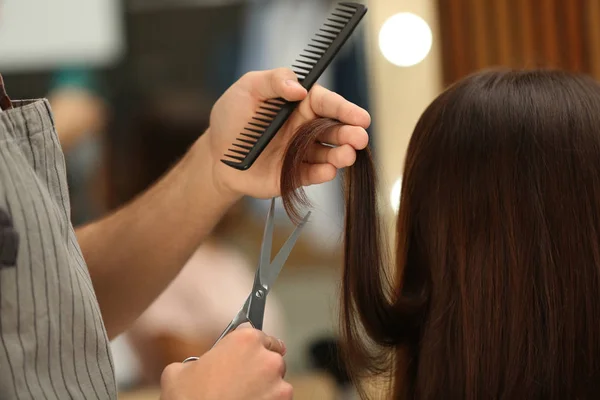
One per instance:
(498, 252)
(499, 218)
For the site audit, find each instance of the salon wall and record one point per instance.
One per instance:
(478, 34)
(400, 94)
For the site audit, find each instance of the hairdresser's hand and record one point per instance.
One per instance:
(246, 364)
(238, 104)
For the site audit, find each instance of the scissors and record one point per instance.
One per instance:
(253, 310)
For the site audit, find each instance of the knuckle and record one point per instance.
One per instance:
(286, 391)
(248, 336)
(169, 373)
(249, 77)
(283, 72)
(348, 111)
(274, 362)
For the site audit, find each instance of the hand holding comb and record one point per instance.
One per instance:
(311, 64)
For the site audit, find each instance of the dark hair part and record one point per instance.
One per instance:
(498, 245)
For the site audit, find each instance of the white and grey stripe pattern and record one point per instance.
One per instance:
(53, 344)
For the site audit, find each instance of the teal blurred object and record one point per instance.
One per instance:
(84, 160)
(82, 78)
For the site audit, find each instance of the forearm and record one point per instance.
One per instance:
(133, 254)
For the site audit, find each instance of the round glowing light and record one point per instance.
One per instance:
(405, 39)
(395, 195)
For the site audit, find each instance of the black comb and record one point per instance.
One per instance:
(273, 113)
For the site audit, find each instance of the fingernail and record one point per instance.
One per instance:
(283, 347)
(293, 83)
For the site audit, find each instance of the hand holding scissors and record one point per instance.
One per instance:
(253, 309)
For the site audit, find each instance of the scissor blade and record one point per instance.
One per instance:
(270, 272)
(265, 249)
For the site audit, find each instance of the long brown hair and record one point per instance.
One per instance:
(497, 292)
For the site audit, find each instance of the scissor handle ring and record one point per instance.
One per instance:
(190, 359)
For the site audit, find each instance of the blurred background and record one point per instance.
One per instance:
(132, 83)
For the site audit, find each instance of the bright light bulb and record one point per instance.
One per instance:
(395, 195)
(405, 39)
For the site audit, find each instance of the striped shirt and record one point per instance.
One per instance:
(53, 344)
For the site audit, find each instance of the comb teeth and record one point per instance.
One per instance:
(261, 125)
(246, 140)
(337, 21)
(244, 153)
(344, 18)
(310, 57)
(327, 43)
(268, 121)
(235, 157)
(255, 137)
(276, 102)
(264, 114)
(271, 108)
(336, 28)
(344, 7)
(345, 10)
(253, 130)
(328, 38)
(318, 53)
(301, 67)
(353, 6)
(241, 146)
(311, 63)
(318, 47)
(331, 31)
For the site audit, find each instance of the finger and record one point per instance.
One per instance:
(339, 157)
(280, 82)
(274, 344)
(314, 174)
(273, 363)
(170, 373)
(325, 103)
(355, 136)
(286, 391)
